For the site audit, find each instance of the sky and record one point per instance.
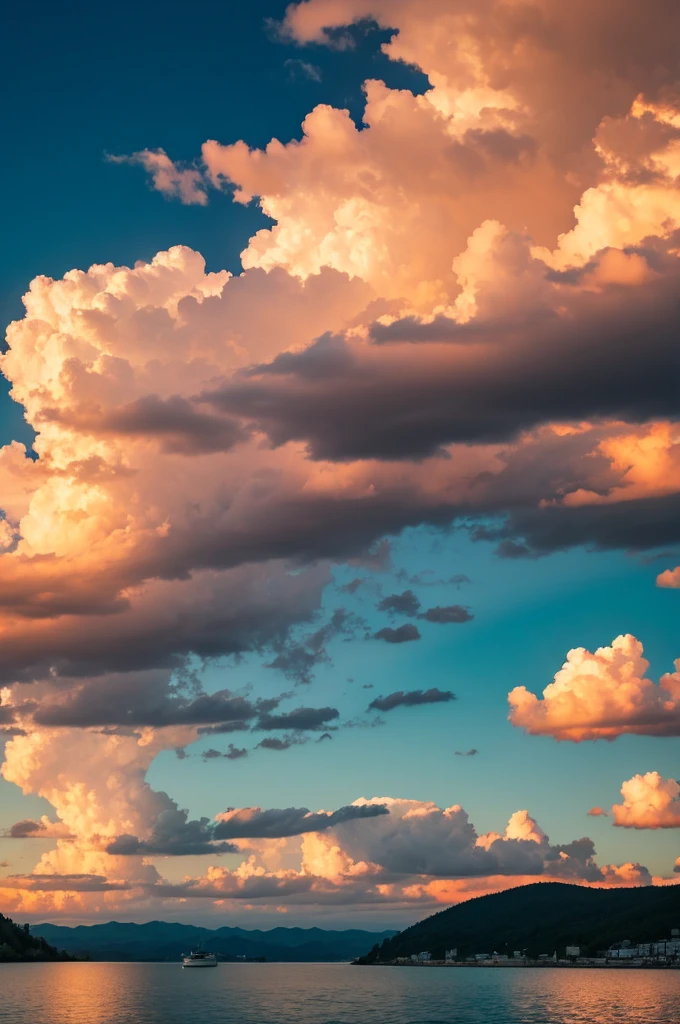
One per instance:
(339, 457)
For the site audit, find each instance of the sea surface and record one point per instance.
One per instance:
(107, 993)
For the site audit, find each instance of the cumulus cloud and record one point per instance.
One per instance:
(597, 812)
(649, 801)
(399, 635)
(601, 696)
(411, 698)
(628, 874)
(418, 853)
(419, 838)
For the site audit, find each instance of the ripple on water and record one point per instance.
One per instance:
(91, 993)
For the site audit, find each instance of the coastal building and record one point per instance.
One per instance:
(660, 950)
(573, 951)
(451, 954)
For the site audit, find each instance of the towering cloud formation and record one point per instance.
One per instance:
(465, 310)
(601, 696)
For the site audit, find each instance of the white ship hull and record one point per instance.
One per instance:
(203, 961)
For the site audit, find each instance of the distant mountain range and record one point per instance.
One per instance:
(541, 918)
(160, 940)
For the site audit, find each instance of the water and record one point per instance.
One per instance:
(332, 994)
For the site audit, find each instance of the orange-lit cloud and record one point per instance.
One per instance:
(601, 696)
(649, 801)
(669, 578)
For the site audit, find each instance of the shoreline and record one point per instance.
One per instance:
(542, 964)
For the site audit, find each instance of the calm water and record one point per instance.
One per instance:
(331, 994)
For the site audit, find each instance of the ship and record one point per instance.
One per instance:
(198, 958)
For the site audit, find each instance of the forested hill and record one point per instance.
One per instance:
(17, 944)
(541, 918)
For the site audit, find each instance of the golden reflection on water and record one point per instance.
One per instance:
(91, 993)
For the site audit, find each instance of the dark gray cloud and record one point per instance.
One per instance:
(324, 736)
(399, 635)
(232, 753)
(254, 823)
(235, 753)
(223, 728)
(299, 719)
(411, 698)
(400, 604)
(472, 752)
(426, 384)
(283, 743)
(250, 608)
(297, 659)
(635, 525)
(139, 699)
(26, 829)
(179, 424)
(446, 615)
(175, 835)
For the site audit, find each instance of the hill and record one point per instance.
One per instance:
(160, 940)
(541, 918)
(18, 945)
